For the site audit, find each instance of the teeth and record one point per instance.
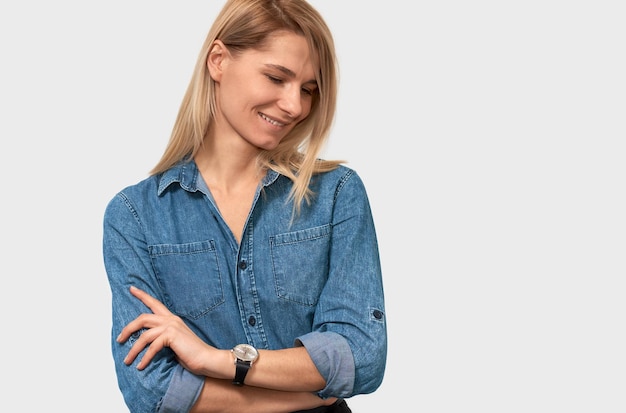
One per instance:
(272, 121)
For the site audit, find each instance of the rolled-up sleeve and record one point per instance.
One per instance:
(332, 356)
(182, 392)
(164, 386)
(349, 339)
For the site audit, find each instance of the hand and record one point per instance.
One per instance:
(164, 329)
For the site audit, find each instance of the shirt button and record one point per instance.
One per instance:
(252, 321)
(378, 314)
(243, 265)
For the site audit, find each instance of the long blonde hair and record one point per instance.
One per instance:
(246, 24)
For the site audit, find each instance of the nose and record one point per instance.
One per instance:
(291, 101)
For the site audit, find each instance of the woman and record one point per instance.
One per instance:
(244, 270)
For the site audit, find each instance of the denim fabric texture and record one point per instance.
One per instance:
(314, 280)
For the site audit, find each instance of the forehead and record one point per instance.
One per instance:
(287, 49)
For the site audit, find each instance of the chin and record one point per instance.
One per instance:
(268, 146)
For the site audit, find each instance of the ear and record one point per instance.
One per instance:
(215, 61)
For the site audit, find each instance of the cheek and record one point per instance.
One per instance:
(307, 107)
(238, 96)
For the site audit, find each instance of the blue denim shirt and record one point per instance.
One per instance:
(314, 281)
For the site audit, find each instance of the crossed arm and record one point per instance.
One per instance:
(281, 380)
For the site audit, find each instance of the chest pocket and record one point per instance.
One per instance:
(300, 264)
(190, 277)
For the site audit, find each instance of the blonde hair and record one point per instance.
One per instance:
(247, 24)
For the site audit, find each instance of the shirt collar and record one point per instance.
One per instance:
(187, 174)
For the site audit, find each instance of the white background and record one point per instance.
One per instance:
(490, 136)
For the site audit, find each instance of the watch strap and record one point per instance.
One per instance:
(241, 369)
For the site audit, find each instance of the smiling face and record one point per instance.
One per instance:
(261, 95)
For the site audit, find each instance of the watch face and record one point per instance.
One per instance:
(245, 352)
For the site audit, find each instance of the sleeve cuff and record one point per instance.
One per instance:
(182, 392)
(332, 356)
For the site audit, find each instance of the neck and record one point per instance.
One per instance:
(228, 172)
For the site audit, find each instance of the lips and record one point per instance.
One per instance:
(270, 120)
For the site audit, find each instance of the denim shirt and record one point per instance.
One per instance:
(313, 280)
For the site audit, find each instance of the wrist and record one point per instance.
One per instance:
(244, 358)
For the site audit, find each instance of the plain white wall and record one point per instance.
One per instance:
(490, 138)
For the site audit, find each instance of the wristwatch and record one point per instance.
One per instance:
(245, 355)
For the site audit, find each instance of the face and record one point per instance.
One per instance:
(261, 95)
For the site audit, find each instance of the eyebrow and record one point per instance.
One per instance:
(289, 72)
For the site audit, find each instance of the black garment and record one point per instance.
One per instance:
(340, 406)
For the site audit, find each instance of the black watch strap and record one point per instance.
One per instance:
(241, 369)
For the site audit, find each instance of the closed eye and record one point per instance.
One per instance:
(275, 79)
(309, 91)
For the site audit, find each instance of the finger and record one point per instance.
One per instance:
(154, 347)
(132, 354)
(152, 303)
(142, 321)
(135, 349)
(149, 340)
